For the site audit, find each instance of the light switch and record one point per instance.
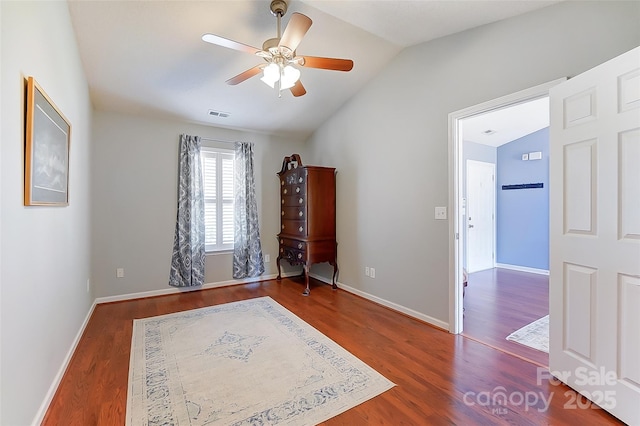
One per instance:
(441, 213)
(120, 273)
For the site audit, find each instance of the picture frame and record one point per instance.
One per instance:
(46, 156)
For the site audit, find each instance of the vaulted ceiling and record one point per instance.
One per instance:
(148, 58)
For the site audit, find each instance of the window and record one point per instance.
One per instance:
(217, 171)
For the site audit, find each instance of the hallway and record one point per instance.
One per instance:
(498, 302)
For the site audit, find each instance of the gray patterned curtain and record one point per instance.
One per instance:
(187, 262)
(247, 251)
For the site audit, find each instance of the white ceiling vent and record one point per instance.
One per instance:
(220, 114)
(489, 132)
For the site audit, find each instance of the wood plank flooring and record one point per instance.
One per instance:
(498, 302)
(441, 379)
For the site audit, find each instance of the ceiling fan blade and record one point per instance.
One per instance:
(298, 89)
(297, 27)
(245, 75)
(225, 42)
(327, 63)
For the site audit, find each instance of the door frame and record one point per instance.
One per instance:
(456, 167)
(465, 230)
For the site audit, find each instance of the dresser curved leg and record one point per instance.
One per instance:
(306, 279)
(335, 274)
(279, 277)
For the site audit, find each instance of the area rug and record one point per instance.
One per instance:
(534, 335)
(243, 363)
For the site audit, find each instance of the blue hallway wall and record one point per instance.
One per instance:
(522, 216)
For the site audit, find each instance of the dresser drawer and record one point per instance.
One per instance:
(292, 256)
(294, 177)
(294, 244)
(294, 227)
(294, 200)
(293, 213)
(289, 190)
(293, 251)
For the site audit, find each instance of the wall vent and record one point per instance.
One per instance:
(489, 132)
(220, 114)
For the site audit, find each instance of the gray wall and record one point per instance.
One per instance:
(45, 250)
(135, 165)
(389, 144)
(390, 141)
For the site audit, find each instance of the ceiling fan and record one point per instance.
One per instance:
(280, 54)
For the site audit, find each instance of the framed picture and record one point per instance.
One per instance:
(46, 155)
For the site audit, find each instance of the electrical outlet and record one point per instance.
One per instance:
(372, 272)
(267, 258)
(120, 273)
(88, 285)
(366, 271)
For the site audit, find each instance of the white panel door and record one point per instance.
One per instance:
(481, 201)
(594, 282)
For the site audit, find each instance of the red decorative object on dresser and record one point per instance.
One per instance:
(307, 217)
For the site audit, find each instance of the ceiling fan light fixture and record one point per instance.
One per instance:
(271, 74)
(290, 75)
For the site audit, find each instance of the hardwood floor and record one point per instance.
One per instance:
(498, 302)
(441, 379)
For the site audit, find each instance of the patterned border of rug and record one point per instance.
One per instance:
(534, 335)
(241, 363)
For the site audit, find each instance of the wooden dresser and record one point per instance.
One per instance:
(307, 216)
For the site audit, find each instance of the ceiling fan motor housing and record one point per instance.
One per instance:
(273, 46)
(278, 7)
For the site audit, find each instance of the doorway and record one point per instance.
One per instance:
(480, 215)
(500, 298)
(458, 224)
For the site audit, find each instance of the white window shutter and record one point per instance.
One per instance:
(217, 167)
(227, 199)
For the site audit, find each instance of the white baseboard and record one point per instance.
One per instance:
(42, 411)
(175, 290)
(522, 268)
(391, 305)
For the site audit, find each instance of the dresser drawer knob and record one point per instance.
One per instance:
(281, 250)
(285, 191)
(299, 229)
(300, 245)
(282, 201)
(281, 241)
(282, 213)
(281, 182)
(299, 255)
(301, 200)
(300, 213)
(300, 179)
(283, 226)
(297, 189)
